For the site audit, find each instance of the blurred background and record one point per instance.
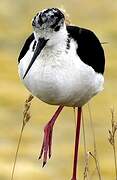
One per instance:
(15, 27)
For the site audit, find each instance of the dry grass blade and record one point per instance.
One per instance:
(111, 138)
(104, 42)
(26, 117)
(96, 163)
(86, 169)
(86, 154)
(94, 144)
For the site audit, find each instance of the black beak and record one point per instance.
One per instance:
(40, 45)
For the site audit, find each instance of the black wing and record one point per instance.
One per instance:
(89, 48)
(26, 47)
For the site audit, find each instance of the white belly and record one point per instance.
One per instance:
(61, 82)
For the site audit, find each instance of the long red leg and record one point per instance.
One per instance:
(47, 141)
(76, 144)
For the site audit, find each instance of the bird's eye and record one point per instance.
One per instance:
(52, 16)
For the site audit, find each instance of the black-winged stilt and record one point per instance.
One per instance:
(61, 65)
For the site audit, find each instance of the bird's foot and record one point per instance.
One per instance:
(47, 143)
(47, 140)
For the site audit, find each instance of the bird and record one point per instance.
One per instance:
(62, 65)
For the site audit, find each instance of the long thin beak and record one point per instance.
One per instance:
(40, 45)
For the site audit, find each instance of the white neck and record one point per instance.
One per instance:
(55, 38)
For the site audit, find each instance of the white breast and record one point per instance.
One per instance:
(59, 77)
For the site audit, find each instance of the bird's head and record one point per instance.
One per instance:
(49, 29)
(48, 23)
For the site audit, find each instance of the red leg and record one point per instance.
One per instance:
(76, 144)
(47, 141)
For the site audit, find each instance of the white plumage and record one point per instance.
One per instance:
(61, 65)
(59, 76)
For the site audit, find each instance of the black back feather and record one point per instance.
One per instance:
(89, 48)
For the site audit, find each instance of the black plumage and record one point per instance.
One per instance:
(89, 48)
(26, 47)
